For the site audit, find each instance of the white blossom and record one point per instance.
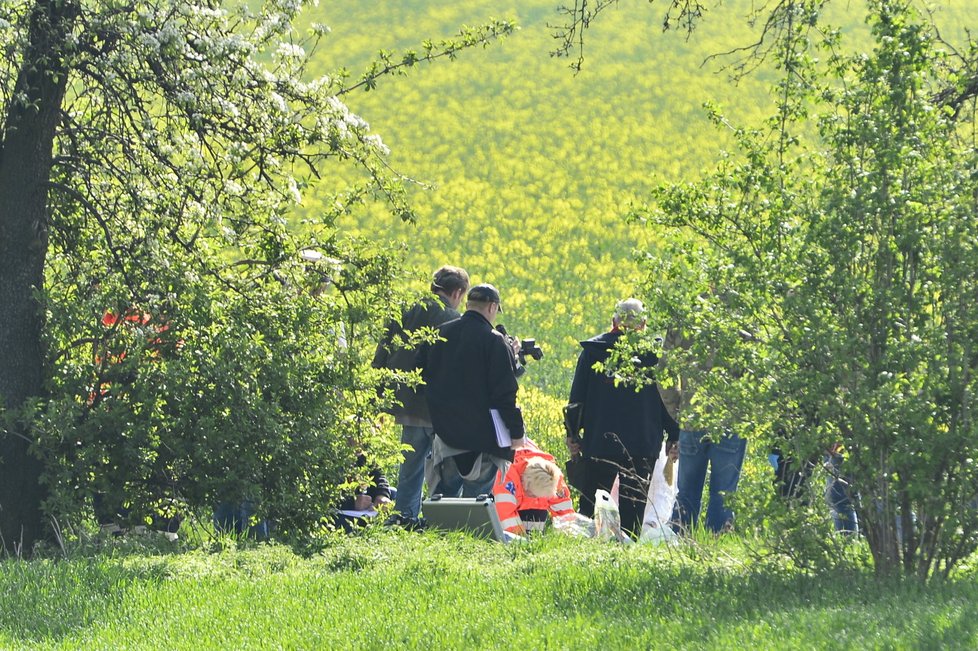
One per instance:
(233, 188)
(149, 42)
(294, 191)
(374, 140)
(290, 51)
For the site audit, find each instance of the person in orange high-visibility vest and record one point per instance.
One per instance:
(532, 487)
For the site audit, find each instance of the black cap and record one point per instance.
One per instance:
(485, 293)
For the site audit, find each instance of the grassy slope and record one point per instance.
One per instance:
(429, 592)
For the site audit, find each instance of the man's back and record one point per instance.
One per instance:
(394, 351)
(466, 374)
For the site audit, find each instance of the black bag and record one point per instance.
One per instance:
(576, 472)
(573, 419)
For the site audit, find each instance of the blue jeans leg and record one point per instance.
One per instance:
(236, 518)
(839, 496)
(410, 475)
(481, 485)
(226, 518)
(726, 460)
(691, 477)
(448, 482)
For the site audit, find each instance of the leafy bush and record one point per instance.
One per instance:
(217, 396)
(829, 274)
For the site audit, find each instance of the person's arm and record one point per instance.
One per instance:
(505, 501)
(578, 394)
(379, 490)
(582, 376)
(421, 359)
(561, 504)
(503, 388)
(671, 395)
(383, 351)
(669, 424)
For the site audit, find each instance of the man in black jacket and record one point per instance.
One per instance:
(471, 388)
(448, 286)
(623, 428)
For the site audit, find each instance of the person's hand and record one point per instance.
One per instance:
(672, 450)
(515, 344)
(363, 503)
(573, 445)
(518, 443)
(380, 501)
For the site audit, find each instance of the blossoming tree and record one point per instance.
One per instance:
(150, 152)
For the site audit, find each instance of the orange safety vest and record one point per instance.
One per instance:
(510, 498)
(132, 318)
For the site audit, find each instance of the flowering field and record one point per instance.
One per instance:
(530, 168)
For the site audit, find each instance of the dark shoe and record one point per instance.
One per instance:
(408, 524)
(415, 524)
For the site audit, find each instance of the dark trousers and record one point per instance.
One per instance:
(633, 489)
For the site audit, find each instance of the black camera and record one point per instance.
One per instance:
(528, 347)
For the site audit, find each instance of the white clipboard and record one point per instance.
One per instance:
(503, 438)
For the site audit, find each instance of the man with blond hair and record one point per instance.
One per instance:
(531, 488)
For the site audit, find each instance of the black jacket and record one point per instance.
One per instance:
(377, 487)
(618, 422)
(393, 352)
(467, 373)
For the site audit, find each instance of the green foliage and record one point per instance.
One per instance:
(830, 273)
(423, 591)
(796, 529)
(235, 361)
(254, 396)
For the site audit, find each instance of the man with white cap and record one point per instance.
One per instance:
(622, 426)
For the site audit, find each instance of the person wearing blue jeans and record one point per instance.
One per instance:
(238, 518)
(410, 474)
(679, 368)
(725, 457)
(838, 493)
(410, 409)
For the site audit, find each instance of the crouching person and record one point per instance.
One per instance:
(370, 498)
(532, 487)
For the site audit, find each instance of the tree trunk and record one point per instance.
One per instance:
(25, 169)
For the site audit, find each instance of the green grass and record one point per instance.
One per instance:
(401, 590)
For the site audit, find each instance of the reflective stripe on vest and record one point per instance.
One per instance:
(509, 523)
(566, 505)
